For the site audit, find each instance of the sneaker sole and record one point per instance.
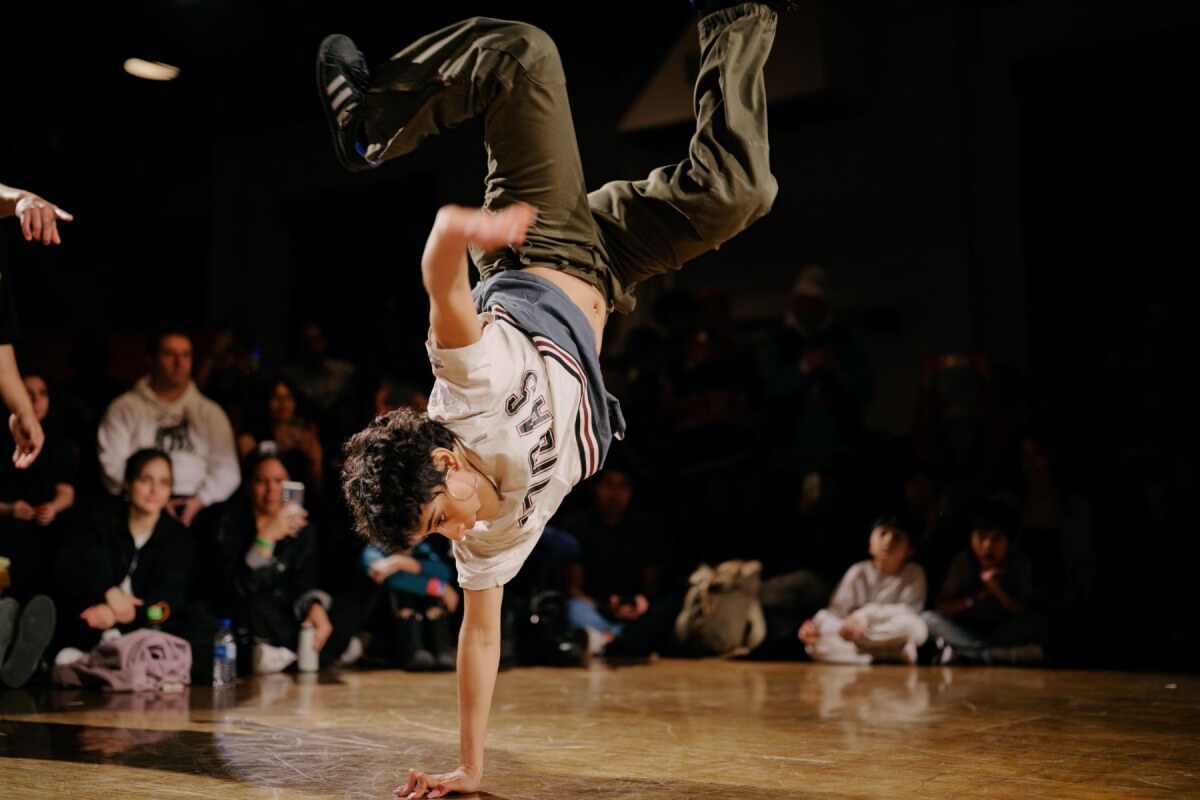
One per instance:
(34, 632)
(340, 144)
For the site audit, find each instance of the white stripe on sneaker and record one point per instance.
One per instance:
(334, 84)
(341, 97)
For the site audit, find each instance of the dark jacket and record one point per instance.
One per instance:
(269, 595)
(99, 553)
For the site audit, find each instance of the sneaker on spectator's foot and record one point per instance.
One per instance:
(943, 652)
(706, 7)
(342, 82)
(35, 628)
(9, 609)
(1020, 654)
(353, 652)
(266, 659)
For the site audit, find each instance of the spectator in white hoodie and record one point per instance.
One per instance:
(165, 411)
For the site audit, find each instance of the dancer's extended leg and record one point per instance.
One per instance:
(510, 74)
(651, 226)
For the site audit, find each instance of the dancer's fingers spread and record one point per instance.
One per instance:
(49, 223)
(64, 215)
(408, 784)
(35, 224)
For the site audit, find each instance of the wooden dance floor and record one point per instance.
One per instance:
(673, 729)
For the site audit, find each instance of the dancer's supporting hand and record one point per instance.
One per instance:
(419, 783)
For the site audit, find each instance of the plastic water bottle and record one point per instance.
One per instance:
(224, 656)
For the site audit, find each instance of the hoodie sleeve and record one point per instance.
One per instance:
(222, 476)
(114, 442)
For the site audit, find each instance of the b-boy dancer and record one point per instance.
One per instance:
(518, 413)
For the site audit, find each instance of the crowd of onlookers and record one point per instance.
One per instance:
(751, 512)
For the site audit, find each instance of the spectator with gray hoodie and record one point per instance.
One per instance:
(165, 411)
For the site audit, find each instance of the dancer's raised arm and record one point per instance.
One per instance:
(444, 266)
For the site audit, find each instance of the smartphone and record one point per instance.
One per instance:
(293, 494)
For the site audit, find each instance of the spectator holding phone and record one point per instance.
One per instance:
(296, 438)
(266, 559)
(166, 411)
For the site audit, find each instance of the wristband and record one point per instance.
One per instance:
(434, 587)
(263, 543)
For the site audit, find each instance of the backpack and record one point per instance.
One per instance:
(721, 613)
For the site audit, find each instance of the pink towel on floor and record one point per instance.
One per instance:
(140, 661)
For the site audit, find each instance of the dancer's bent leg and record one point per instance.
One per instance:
(510, 74)
(681, 211)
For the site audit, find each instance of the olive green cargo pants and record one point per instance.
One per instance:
(626, 231)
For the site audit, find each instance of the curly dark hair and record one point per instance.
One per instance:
(388, 475)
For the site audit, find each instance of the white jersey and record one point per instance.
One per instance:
(519, 407)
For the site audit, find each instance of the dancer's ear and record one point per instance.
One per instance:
(443, 459)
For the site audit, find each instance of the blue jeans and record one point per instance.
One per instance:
(582, 614)
(1026, 628)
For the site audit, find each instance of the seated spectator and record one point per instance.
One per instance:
(293, 438)
(984, 611)
(321, 379)
(34, 502)
(166, 411)
(127, 567)
(392, 394)
(420, 600)
(266, 557)
(611, 581)
(875, 612)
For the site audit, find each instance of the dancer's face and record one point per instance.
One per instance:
(454, 509)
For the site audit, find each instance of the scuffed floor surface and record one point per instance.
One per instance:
(673, 729)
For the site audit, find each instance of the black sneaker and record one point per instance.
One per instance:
(342, 81)
(706, 7)
(34, 631)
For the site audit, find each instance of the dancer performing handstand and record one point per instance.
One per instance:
(518, 413)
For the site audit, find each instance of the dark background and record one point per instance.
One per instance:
(1010, 180)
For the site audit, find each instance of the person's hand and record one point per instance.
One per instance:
(505, 228)
(46, 514)
(322, 627)
(381, 569)
(310, 444)
(851, 630)
(627, 612)
(990, 576)
(286, 523)
(450, 598)
(27, 433)
(23, 511)
(189, 509)
(124, 606)
(809, 632)
(422, 784)
(99, 617)
(40, 218)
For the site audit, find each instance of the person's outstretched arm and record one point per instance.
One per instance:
(39, 217)
(23, 423)
(478, 662)
(452, 313)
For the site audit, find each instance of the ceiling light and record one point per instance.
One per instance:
(150, 70)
